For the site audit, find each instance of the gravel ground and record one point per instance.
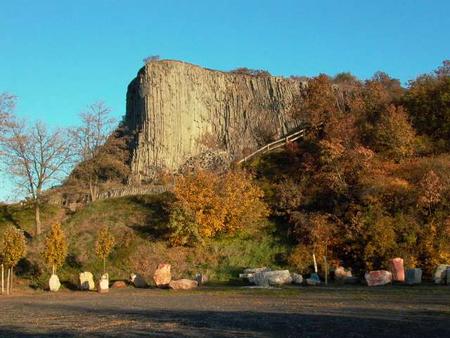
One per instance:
(356, 311)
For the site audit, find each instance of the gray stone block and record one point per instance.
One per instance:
(413, 276)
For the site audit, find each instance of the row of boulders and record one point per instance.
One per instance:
(162, 278)
(413, 276)
(266, 277)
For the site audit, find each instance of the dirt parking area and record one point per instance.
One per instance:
(392, 311)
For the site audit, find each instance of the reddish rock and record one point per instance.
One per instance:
(397, 269)
(119, 284)
(183, 284)
(379, 277)
(162, 276)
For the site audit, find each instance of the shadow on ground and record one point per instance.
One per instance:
(353, 322)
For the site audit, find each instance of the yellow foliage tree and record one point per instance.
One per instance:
(209, 203)
(430, 189)
(55, 250)
(105, 243)
(13, 249)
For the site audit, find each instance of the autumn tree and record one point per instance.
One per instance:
(392, 133)
(427, 100)
(13, 249)
(36, 157)
(430, 192)
(104, 244)
(208, 204)
(55, 248)
(318, 102)
(315, 234)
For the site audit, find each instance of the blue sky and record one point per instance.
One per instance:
(59, 56)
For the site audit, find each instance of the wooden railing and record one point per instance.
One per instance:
(276, 144)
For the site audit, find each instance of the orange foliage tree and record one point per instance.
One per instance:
(208, 204)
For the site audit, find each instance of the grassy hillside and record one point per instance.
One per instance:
(138, 224)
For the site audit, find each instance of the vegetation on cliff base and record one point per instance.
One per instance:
(365, 186)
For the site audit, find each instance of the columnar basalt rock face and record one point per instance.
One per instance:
(179, 110)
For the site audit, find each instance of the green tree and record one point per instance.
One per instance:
(105, 243)
(55, 250)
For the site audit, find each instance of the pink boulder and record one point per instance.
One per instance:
(397, 269)
(379, 277)
(119, 284)
(183, 284)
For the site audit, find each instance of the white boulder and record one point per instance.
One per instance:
(440, 274)
(53, 283)
(296, 278)
(87, 281)
(103, 284)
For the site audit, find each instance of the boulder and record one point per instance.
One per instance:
(250, 273)
(378, 277)
(313, 280)
(138, 281)
(119, 284)
(162, 275)
(183, 284)
(413, 276)
(103, 284)
(201, 278)
(341, 273)
(53, 283)
(273, 278)
(87, 281)
(397, 269)
(440, 274)
(296, 278)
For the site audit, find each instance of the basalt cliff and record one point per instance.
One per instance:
(179, 112)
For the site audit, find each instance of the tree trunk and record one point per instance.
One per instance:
(3, 279)
(37, 218)
(12, 280)
(93, 190)
(315, 263)
(7, 281)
